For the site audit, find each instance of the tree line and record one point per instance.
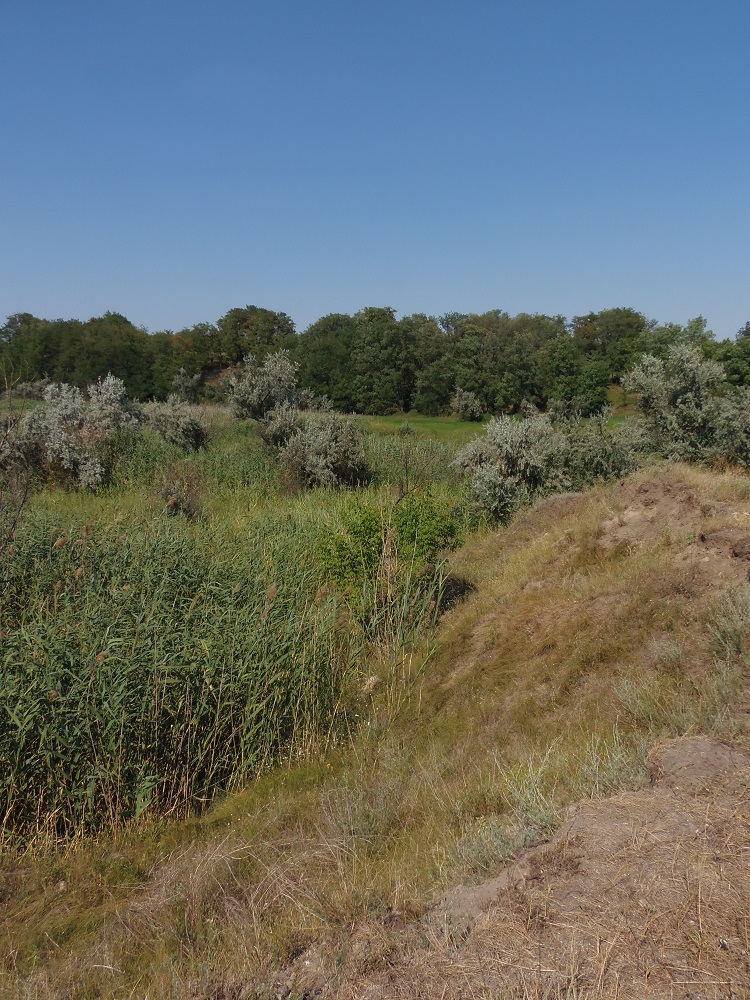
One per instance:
(371, 362)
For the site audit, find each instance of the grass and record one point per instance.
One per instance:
(548, 685)
(148, 665)
(448, 429)
(623, 403)
(154, 660)
(170, 637)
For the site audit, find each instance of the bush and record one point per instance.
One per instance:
(31, 390)
(259, 388)
(67, 436)
(309, 400)
(412, 531)
(384, 559)
(594, 453)
(280, 424)
(110, 410)
(466, 405)
(515, 460)
(175, 422)
(185, 387)
(518, 460)
(181, 494)
(16, 481)
(327, 450)
(731, 428)
(676, 396)
(684, 414)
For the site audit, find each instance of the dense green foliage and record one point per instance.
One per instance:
(370, 362)
(383, 557)
(79, 353)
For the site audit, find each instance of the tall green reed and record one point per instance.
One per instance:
(156, 665)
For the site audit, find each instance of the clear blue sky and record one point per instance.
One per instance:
(170, 160)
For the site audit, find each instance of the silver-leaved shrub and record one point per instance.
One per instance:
(174, 421)
(258, 388)
(518, 460)
(327, 449)
(466, 405)
(79, 440)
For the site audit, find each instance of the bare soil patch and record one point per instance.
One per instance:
(643, 895)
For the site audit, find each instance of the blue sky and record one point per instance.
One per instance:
(171, 160)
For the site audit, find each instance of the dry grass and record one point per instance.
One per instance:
(597, 630)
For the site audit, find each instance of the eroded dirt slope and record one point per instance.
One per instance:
(645, 894)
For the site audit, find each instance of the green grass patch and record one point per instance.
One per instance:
(445, 429)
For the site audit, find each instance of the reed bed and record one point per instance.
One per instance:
(405, 461)
(151, 666)
(166, 639)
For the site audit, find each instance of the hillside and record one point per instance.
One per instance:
(550, 800)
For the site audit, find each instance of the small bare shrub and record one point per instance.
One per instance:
(16, 479)
(364, 810)
(181, 494)
(484, 843)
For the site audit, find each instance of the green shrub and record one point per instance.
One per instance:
(375, 539)
(384, 559)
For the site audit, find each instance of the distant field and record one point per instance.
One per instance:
(15, 405)
(449, 429)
